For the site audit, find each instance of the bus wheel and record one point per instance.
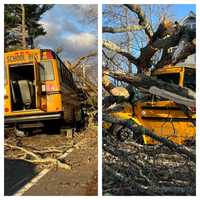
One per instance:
(120, 132)
(124, 134)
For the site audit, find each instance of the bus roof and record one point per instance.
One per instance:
(170, 69)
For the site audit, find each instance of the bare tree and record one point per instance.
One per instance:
(165, 35)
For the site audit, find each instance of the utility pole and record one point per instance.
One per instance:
(23, 27)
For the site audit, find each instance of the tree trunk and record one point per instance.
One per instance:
(143, 81)
(23, 27)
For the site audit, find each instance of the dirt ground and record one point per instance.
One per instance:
(80, 180)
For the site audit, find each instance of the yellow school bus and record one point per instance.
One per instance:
(161, 116)
(39, 90)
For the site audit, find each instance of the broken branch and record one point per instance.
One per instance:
(132, 28)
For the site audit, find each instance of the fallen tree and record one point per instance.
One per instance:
(131, 168)
(167, 35)
(134, 169)
(169, 91)
(143, 131)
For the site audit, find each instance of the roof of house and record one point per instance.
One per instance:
(191, 15)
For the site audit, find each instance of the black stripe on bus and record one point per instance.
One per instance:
(170, 119)
(53, 92)
(160, 108)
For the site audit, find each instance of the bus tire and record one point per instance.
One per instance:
(120, 132)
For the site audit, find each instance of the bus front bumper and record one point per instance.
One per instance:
(32, 118)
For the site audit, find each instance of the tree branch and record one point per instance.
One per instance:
(150, 49)
(82, 58)
(37, 159)
(114, 47)
(142, 18)
(167, 58)
(140, 129)
(132, 28)
(146, 82)
(106, 82)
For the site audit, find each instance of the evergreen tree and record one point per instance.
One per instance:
(22, 24)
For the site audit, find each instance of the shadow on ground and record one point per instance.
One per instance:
(16, 174)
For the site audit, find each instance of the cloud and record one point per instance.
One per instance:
(80, 43)
(83, 11)
(66, 29)
(73, 46)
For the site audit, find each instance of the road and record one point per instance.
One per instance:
(23, 178)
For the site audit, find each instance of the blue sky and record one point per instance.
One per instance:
(69, 27)
(181, 10)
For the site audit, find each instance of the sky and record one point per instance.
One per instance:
(181, 10)
(70, 27)
(74, 28)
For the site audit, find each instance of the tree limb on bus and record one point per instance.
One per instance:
(140, 129)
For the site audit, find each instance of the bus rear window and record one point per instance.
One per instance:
(49, 74)
(170, 78)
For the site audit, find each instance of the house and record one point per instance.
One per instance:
(189, 21)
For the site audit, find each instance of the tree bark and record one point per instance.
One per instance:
(107, 29)
(143, 21)
(172, 97)
(23, 27)
(82, 58)
(114, 47)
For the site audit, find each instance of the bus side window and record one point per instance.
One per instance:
(190, 79)
(65, 74)
(59, 69)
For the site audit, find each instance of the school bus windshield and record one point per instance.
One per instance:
(190, 79)
(170, 78)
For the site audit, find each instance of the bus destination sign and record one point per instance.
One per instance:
(23, 56)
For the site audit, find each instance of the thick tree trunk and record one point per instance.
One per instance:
(23, 27)
(172, 96)
(146, 82)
